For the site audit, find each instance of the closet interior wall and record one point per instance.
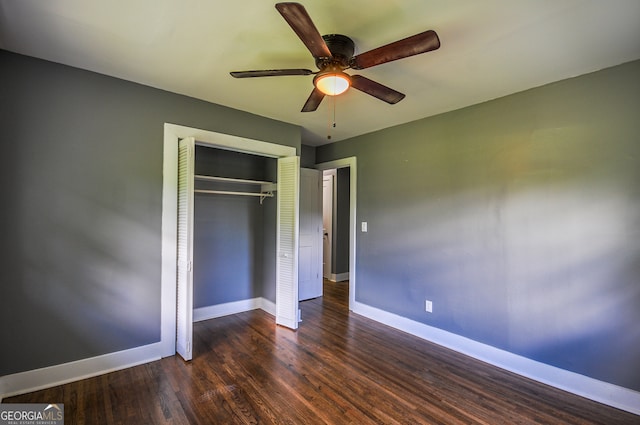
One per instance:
(234, 236)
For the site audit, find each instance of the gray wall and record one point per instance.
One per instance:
(307, 156)
(230, 231)
(519, 218)
(81, 190)
(341, 207)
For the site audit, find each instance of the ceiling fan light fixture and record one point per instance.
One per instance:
(332, 83)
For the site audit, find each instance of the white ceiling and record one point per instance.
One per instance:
(490, 48)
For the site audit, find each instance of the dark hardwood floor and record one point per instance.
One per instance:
(338, 368)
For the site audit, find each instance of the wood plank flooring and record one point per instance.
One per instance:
(338, 368)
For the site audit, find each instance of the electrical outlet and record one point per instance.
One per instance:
(428, 306)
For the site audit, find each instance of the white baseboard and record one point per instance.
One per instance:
(339, 277)
(220, 310)
(38, 379)
(235, 307)
(268, 306)
(602, 392)
(593, 389)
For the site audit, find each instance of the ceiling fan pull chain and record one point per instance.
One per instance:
(329, 121)
(334, 111)
(332, 123)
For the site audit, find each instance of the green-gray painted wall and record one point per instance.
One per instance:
(81, 191)
(519, 218)
(341, 207)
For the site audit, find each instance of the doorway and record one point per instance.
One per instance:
(351, 164)
(327, 222)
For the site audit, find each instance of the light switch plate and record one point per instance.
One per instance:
(365, 226)
(428, 306)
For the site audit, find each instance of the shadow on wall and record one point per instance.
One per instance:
(86, 292)
(530, 247)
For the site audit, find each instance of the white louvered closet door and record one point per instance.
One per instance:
(184, 308)
(287, 242)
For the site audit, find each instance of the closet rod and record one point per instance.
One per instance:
(226, 192)
(230, 180)
(262, 195)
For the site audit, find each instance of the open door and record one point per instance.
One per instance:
(310, 253)
(184, 312)
(287, 242)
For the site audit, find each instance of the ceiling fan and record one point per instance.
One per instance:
(333, 54)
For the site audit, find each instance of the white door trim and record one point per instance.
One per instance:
(350, 163)
(172, 133)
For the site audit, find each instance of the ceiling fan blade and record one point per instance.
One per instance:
(410, 46)
(299, 20)
(376, 89)
(270, 73)
(313, 101)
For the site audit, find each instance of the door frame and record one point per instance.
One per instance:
(172, 133)
(350, 163)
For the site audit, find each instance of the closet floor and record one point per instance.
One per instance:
(338, 368)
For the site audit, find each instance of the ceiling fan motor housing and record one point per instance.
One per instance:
(341, 47)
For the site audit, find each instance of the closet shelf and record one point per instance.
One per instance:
(231, 180)
(266, 188)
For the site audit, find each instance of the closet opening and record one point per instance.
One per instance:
(242, 184)
(234, 234)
